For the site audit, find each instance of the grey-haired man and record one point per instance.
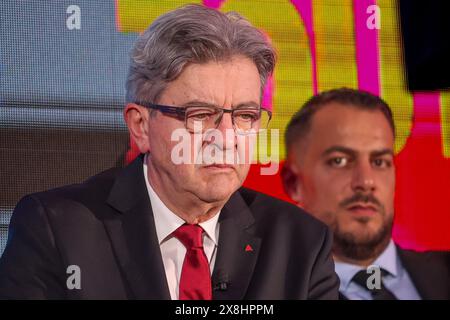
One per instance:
(162, 228)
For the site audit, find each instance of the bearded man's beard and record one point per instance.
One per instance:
(362, 247)
(365, 247)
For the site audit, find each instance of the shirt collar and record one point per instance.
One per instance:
(166, 221)
(210, 227)
(387, 260)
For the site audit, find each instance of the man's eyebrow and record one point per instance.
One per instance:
(200, 103)
(341, 149)
(247, 104)
(382, 152)
(352, 152)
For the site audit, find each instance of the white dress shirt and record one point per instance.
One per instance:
(172, 250)
(397, 281)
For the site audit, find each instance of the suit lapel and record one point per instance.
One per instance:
(133, 235)
(425, 273)
(134, 240)
(237, 250)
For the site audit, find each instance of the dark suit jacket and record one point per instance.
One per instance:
(106, 227)
(429, 272)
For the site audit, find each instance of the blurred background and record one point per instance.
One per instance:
(63, 66)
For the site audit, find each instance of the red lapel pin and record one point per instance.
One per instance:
(248, 248)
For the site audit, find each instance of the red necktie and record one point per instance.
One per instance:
(195, 281)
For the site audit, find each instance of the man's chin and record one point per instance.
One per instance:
(361, 225)
(211, 196)
(362, 231)
(218, 189)
(363, 243)
(216, 184)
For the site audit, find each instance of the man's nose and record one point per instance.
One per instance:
(363, 179)
(225, 122)
(226, 128)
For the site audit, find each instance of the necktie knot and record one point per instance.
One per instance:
(381, 293)
(362, 276)
(190, 235)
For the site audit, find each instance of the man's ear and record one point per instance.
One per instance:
(137, 118)
(292, 181)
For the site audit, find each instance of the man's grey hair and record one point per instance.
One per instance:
(192, 34)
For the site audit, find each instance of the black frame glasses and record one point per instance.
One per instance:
(182, 112)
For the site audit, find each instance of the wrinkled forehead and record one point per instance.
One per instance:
(217, 82)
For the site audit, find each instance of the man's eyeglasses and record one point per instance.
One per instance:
(244, 119)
